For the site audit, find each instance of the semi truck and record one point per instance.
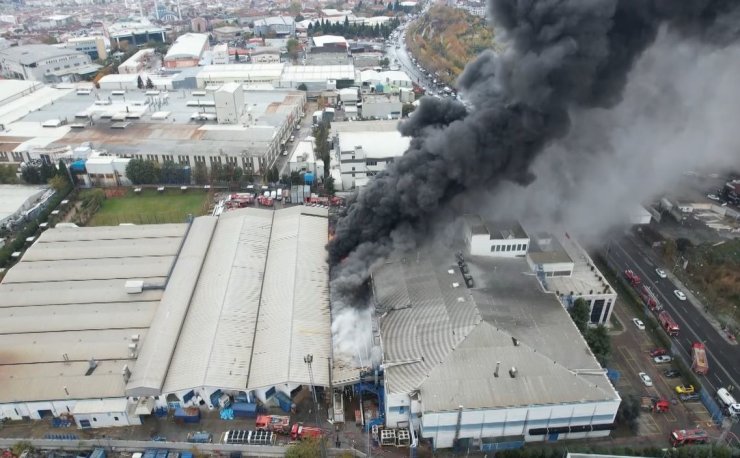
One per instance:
(699, 363)
(681, 437)
(668, 323)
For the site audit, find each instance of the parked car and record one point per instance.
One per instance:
(679, 294)
(713, 197)
(671, 373)
(689, 397)
(685, 389)
(661, 273)
(658, 352)
(662, 359)
(646, 379)
(640, 325)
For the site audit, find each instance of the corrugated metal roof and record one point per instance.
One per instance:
(157, 352)
(65, 303)
(286, 316)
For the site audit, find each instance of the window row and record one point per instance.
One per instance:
(509, 247)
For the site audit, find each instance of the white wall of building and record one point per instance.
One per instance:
(229, 103)
(382, 109)
(483, 245)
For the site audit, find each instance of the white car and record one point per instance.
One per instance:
(646, 379)
(640, 325)
(661, 273)
(713, 197)
(662, 359)
(679, 294)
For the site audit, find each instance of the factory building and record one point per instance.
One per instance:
(507, 240)
(45, 63)
(362, 149)
(134, 33)
(249, 75)
(318, 78)
(281, 26)
(187, 51)
(92, 46)
(137, 63)
(489, 364)
(139, 327)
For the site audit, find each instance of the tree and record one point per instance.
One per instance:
(321, 137)
(600, 343)
(384, 62)
(407, 109)
(307, 448)
(236, 56)
(296, 178)
(217, 174)
(293, 48)
(273, 175)
(141, 171)
(139, 82)
(62, 170)
(7, 174)
(149, 84)
(329, 185)
(31, 175)
(295, 8)
(302, 87)
(58, 183)
(580, 314)
(171, 173)
(669, 250)
(200, 173)
(300, 18)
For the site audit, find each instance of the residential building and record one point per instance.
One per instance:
(45, 63)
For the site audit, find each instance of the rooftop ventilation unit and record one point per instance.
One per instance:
(512, 372)
(515, 341)
(495, 373)
(92, 366)
(126, 372)
(135, 338)
(132, 347)
(456, 285)
(134, 286)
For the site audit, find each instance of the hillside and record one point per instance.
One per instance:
(446, 38)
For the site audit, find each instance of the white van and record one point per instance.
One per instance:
(279, 194)
(273, 194)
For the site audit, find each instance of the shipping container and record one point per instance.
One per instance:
(284, 401)
(188, 415)
(244, 409)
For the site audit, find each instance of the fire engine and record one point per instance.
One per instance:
(276, 423)
(681, 437)
(649, 298)
(633, 278)
(667, 322)
(265, 201)
(300, 432)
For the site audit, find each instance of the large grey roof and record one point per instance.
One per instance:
(65, 302)
(28, 54)
(447, 343)
(260, 305)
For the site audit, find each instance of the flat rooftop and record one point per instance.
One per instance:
(14, 198)
(498, 230)
(446, 340)
(585, 278)
(65, 303)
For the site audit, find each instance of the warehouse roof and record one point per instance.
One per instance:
(318, 73)
(65, 276)
(376, 145)
(190, 45)
(29, 54)
(437, 335)
(273, 308)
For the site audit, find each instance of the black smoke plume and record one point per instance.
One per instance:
(560, 56)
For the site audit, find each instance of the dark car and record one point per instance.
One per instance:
(671, 373)
(658, 352)
(689, 397)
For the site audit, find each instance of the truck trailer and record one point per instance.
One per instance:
(699, 363)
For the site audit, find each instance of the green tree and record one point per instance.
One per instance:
(293, 48)
(295, 8)
(321, 136)
(273, 175)
(407, 109)
(384, 62)
(600, 343)
(171, 173)
(8, 174)
(141, 171)
(302, 87)
(581, 314)
(139, 82)
(329, 185)
(236, 56)
(300, 18)
(58, 183)
(149, 84)
(307, 448)
(200, 173)
(296, 178)
(31, 175)
(217, 174)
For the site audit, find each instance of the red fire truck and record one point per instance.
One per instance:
(276, 423)
(681, 437)
(668, 323)
(699, 362)
(649, 298)
(265, 201)
(300, 432)
(633, 278)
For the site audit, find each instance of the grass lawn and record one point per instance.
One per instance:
(151, 207)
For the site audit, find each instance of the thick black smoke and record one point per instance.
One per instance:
(561, 55)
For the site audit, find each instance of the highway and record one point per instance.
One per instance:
(723, 357)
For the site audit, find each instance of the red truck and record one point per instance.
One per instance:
(681, 437)
(668, 324)
(265, 201)
(276, 423)
(649, 298)
(699, 363)
(633, 278)
(300, 432)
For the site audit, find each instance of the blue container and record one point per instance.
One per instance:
(98, 453)
(191, 415)
(186, 455)
(244, 409)
(308, 178)
(284, 401)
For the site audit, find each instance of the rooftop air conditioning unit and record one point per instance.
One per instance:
(134, 286)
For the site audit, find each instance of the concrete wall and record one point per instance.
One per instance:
(106, 419)
(483, 245)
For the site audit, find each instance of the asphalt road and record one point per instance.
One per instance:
(723, 357)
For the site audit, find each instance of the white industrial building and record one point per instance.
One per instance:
(220, 54)
(561, 265)
(186, 51)
(17, 200)
(134, 33)
(137, 63)
(138, 324)
(381, 106)
(92, 46)
(304, 159)
(44, 63)
(491, 366)
(362, 149)
(259, 75)
(229, 103)
(318, 78)
(393, 80)
(281, 26)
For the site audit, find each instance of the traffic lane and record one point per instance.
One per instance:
(719, 374)
(688, 316)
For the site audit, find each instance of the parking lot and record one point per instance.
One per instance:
(630, 356)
